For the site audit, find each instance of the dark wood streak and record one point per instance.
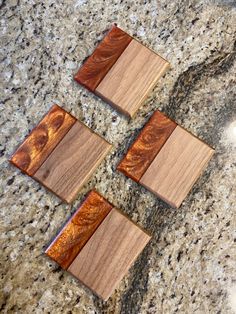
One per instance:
(103, 58)
(147, 145)
(42, 140)
(79, 229)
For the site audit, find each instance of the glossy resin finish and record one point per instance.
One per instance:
(78, 229)
(103, 58)
(146, 146)
(42, 140)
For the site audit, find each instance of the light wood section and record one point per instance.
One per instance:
(72, 162)
(109, 253)
(177, 166)
(42, 140)
(78, 229)
(131, 78)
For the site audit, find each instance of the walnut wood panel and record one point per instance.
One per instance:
(72, 162)
(42, 140)
(131, 78)
(79, 229)
(109, 253)
(177, 166)
(148, 143)
(105, 55)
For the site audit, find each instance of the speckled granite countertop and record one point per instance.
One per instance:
(190, 264)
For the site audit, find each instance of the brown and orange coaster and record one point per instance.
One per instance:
(122, 71)
(98, 245)
(61, 153)
(166, 159)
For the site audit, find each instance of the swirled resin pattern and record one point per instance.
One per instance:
(147, 145)
(102, 59)
(42, 140)
(79, 229)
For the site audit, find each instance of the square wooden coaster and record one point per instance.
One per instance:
(122, 71)
(61, 153)
(166, 159)
(98, 245)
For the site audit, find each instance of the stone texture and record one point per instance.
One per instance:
(190, 265)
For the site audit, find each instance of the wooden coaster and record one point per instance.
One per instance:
(61, 153)
(122, 71)
(166, 159)
(98, 245)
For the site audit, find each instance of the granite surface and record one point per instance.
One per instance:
(190, 264)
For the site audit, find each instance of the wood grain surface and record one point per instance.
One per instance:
(109, 253)
(72, 162)
(103, 58)
(146, 146)
(131, 78)
(42, 140)
(78, 229)
(177, 166)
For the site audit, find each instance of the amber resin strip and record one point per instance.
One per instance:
(103, 58)
(42, 140)
(147, 145)
(79, 229)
